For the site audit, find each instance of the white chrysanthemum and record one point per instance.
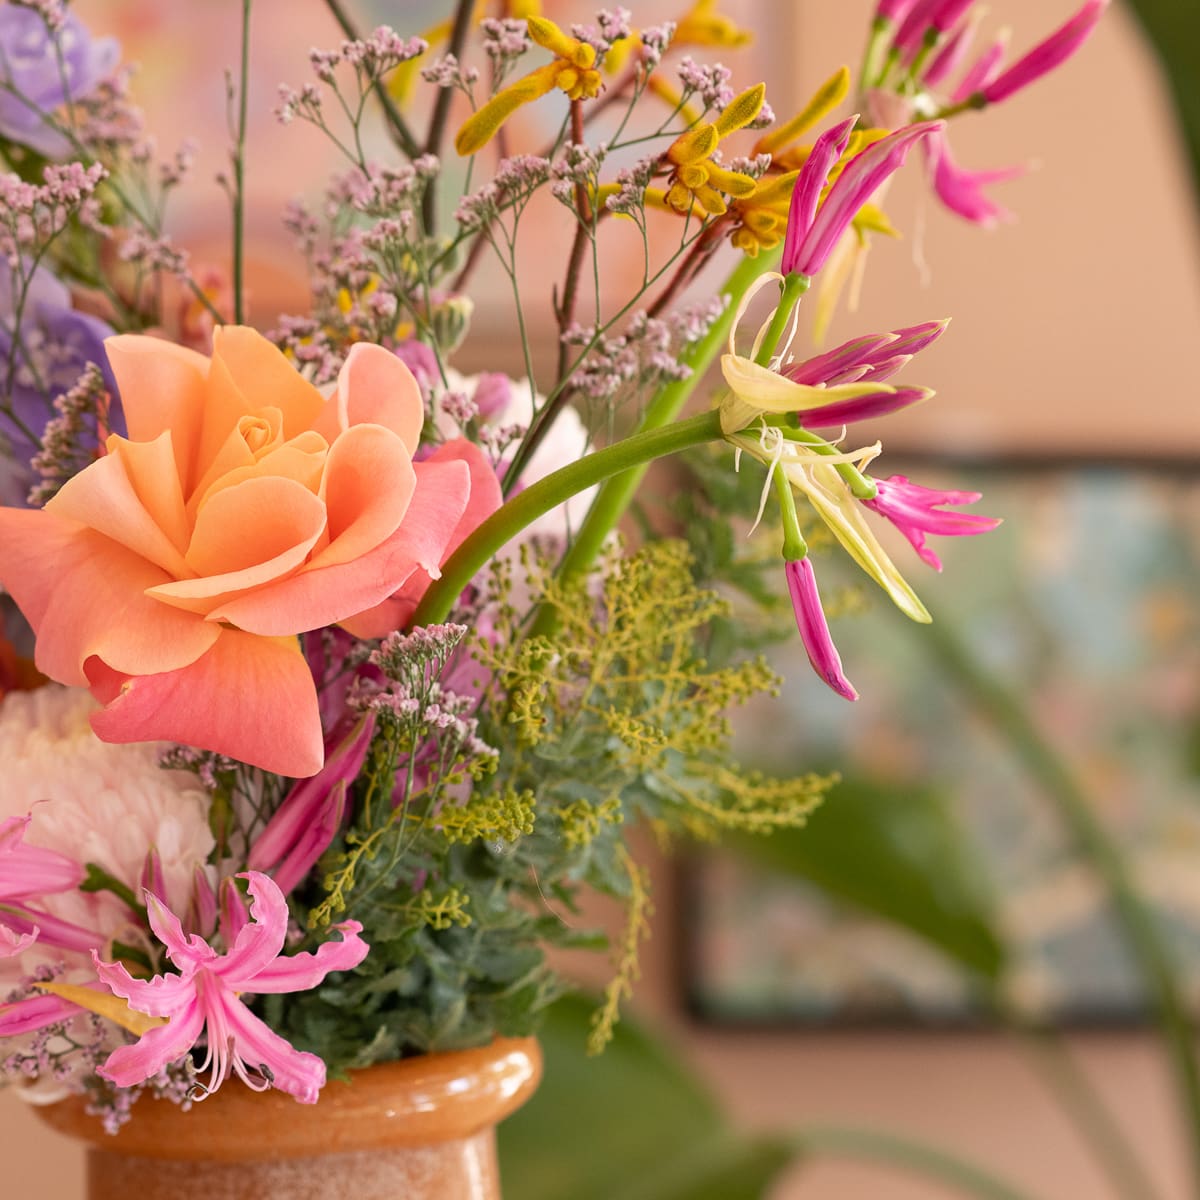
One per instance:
(96, 802)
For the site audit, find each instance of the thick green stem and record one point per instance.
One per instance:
(504, 524)
(1141, 934)
(865, 1145)
(615, 495)
(794, 286)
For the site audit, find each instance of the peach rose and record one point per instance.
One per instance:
(172, 575)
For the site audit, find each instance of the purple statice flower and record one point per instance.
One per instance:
(812, 231)
(29, 65)
(814, 630)
(57, 343)
(917, 511)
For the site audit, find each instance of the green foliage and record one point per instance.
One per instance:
(477, 824)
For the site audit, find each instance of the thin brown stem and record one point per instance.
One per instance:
(441, 109)
(584, 232)
(397, 126)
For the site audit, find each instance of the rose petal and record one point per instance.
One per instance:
(162, 388)
(368, 483)
(265, 377)
(104, 498)
(85, 595)
(251, 698)
(374, 388)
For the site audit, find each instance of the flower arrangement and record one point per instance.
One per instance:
(325, 685)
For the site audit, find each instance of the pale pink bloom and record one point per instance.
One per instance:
(204, 998)
(814, 630)
(917, 511)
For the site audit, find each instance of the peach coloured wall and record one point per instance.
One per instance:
(1074, 331)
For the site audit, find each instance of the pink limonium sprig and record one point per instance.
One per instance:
(203, 998)
(917, 511)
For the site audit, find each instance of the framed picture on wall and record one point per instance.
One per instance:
(1084, 605)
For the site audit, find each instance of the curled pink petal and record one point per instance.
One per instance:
(917, 511)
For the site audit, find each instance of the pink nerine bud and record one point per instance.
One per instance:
(1047, 54)
(814, 631)
(309, 817)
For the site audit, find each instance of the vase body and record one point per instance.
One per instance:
(419, 1129)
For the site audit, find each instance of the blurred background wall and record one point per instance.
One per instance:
(1073, 332)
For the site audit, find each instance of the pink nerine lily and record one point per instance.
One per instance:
(813, 232)
(916, 511)
(204, 998)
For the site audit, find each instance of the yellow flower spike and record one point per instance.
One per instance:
(702, 25)
(550, 37)
(620, 53)
(104, 1004)
(741, 110)
(522, 10)
(693, 146)
(573, 70)
(696, 179)
(761, 216)
(824, 100)
(479, 128)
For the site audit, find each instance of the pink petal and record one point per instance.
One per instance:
(261, 940)
(251, 698)
(235, 916)
(155, 1049)
(814, 631)
(183, 951)
(434, 518)
(35, 1013)
(13, 943)
(162, 996)
(290, 1070)
(300, 972)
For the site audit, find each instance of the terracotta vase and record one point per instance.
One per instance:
(420, 1129)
